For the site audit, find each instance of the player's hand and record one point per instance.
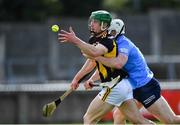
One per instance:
(74, 84)
(88, 84)
(65, 36)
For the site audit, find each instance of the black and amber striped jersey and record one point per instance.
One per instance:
(107, 73)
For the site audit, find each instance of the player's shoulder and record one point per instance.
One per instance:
(108, 38)
(92, 39)
(123, 40)
(108, 41)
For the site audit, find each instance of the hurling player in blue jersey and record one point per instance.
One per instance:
(146, 88)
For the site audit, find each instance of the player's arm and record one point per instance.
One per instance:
(92, 50)
(95, 76)
(88, 49)
(89, 83)
(88, 66)
(116, 62)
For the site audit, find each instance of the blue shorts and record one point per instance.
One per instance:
(149, 93)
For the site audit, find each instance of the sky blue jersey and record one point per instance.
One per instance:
(136, 66)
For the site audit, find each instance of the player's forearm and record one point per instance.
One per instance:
(95, 76)
(88, 49)
(110, 62)
(87, 67)
(81, 74)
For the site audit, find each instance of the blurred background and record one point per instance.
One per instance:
(35, 69)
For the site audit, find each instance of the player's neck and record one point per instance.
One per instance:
(101, 34)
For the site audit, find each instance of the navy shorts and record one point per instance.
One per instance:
(149, 93)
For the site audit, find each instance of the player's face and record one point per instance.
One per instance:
(95, 26)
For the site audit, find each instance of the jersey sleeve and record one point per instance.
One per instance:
(124, 47)
(108, 43)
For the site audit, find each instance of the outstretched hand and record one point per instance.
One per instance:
(65, 36)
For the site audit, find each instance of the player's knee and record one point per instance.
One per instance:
(118, 116)
(87, 119)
